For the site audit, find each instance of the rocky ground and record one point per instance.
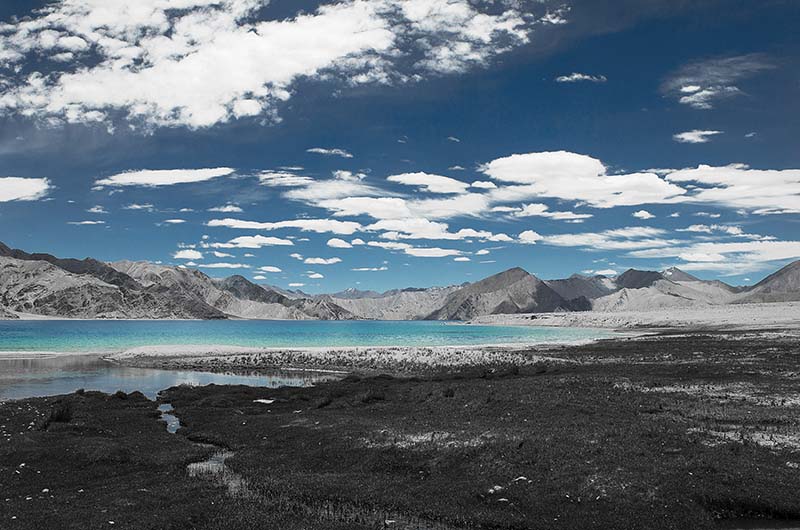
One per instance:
(680, 430)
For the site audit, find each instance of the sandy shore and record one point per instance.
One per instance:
(740, 316)
(390, 359)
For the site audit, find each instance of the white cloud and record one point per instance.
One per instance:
(456, 168)
(188, 254)
(224, 265)
(483, 184)
(297, 256)
(297, 284)
(482, 252)
(431, 252)
(219, 254)
(542, 210)
(370, 269)
(726, 257)
(322, 261)
(136, 206)
(252, 242)
(643, 214)
(576, 77)
(221, 62)
(737, 186)
(314, 275)
(454, 139)
(330, 152)
(431, 183)
(228, 208)
(269, 268)
(259, 277)
(97, 209)
(530, 237)
(421, 228)
(571, 176)
(306, 225)
(338, 243)
(695, 136)
(174, 221)
(23, 189)
(86, 223)
(163, 177)
(461, 258)
(357, 242)
(701, 84)
(629, 238)
(709, 229)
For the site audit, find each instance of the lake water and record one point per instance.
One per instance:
(117, 335)
(52, 376)
(26, 374)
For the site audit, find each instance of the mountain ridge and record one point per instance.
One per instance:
(46, 285)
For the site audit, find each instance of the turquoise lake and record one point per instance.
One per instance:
(116, 335)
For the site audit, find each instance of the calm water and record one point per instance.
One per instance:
(116, 335)
(33, 377)
(26, 375)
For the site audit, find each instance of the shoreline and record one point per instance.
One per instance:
(677, 430)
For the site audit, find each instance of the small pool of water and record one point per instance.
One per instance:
(172, 421)
(50, 376)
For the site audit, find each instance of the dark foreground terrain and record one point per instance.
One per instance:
(675, 431)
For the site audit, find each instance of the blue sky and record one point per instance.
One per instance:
(392, 143)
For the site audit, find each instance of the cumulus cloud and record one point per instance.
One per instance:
(269, 268)
(23, 189)
(338, 243)
(97, 209)
(228, 208)
(542, 210)
(322, 261)
(572, 176)
(695, 136)
(710, 229)
(330, 152)
(576, 77)
(137, 206)
(738, 186)
(430, 183)
(223, 265)
(628, 238)
(726, 257)
(222, 61)
(702, 84)
(163, 177)
(421, 228)
(252, 242)
(431, 252)
(306, 225)
(314, 275)
(643, 214)
(462, 258)
(188, 254)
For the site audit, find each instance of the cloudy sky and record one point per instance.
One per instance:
(389, 143)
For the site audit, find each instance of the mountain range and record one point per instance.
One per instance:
(45, 285)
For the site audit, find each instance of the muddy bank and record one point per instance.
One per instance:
(620, 434)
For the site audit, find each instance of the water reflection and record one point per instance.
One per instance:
(36, 377)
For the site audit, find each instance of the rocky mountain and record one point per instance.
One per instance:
(397, 304)
(512, 291)
(42, 284)
(781, 286)
(577, 285)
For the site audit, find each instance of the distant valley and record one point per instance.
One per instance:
(42, 285)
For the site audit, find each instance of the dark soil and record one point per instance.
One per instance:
(662, 432)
